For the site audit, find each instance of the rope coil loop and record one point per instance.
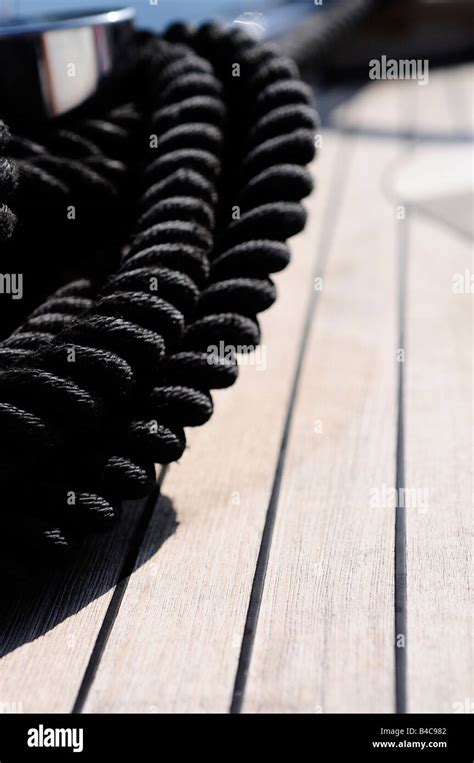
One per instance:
(185, 198)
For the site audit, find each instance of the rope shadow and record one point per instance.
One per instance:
(30, 608)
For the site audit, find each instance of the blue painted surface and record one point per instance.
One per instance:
(153, 15)
(279, 13)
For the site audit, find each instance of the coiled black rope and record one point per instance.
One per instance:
(185, 197)
(314, 44)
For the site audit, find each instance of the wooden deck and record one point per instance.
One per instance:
(312, 550)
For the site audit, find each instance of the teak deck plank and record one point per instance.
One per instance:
(325, 637)
(439, 458)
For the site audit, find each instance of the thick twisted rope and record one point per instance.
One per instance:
(101, 380)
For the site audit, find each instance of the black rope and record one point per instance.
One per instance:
(178, 239)
(314, 44)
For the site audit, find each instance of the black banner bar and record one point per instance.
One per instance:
(105, 737)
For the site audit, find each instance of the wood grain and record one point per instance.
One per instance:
(439, 456)
(438, 471)
(325, 637)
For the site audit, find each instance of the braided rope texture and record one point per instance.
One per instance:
(101, 379)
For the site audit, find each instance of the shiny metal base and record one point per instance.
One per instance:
(52, 64)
